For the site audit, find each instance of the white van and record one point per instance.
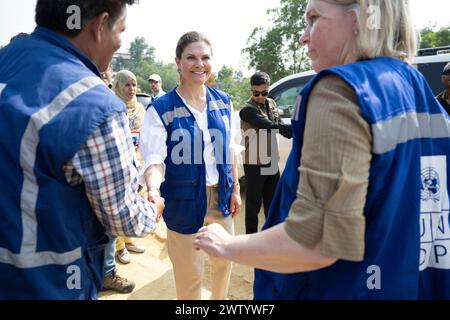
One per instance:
(286, 90)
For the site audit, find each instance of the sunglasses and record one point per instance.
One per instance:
(257, 94)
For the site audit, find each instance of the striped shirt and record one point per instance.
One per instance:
(106, 166)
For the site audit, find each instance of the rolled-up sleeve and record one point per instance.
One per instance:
(334, 174)
(153, 139)
(105, 165)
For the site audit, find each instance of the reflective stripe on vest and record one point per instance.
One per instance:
(218, 105)
(2, 86)
(406, 127)
(177, 113)
(29, 257)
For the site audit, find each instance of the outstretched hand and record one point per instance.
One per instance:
(235, 203)
(155, 197)
(213, 240)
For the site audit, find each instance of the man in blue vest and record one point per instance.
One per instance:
(67, 172)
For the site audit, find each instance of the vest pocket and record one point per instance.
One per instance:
(181, 190)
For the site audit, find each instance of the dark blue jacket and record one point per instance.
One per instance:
(51, 100)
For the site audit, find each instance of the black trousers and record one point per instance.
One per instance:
(260, 190)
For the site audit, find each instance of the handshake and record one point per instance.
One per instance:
(153, 178)
(153, 195)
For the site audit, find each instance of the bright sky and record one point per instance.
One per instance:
(228, 23)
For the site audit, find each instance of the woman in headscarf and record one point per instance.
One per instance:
(125, 87)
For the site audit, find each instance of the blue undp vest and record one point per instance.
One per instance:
(185, 182)
(51, 101)
(407, 240)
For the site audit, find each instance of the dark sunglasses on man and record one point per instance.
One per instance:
(257, 94)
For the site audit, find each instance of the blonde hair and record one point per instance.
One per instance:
(385, 28)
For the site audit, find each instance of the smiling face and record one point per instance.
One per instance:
(195, 63)
(330, 34)
(111, 41)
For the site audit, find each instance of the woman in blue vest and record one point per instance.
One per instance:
(362, 210)
(190, 158)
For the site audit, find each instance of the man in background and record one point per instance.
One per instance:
(107, 76)
(260, 122)
(155, 84)
(444, 97)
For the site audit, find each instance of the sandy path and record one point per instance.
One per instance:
(152, 272)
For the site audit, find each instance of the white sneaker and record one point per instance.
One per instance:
(135, 247)
(123, 256)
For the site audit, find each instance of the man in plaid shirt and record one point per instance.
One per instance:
(67, 168)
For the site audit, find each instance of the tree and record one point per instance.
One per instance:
(433, 39)
(265, 52)
(140, 60)
(277, 50)
(168, 73)
(232, 82)
(141, 52)
(120, 63)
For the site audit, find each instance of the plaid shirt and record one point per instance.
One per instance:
(105, 164)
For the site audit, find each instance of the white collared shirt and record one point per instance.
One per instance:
(154, 136)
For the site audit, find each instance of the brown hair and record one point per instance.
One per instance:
(187, 39)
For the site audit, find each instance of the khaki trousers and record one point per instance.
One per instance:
(188, 264)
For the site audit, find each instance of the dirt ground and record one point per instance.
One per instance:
(152, 271)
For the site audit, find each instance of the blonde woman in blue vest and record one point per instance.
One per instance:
(190, 158)
(362, 209)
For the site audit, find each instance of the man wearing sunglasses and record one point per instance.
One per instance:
(444, 97)
(260, 123)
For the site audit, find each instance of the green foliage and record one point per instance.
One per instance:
(141, 61)
(233, 83)
(168, 73)
(433, 39)
(277, 50)
(121, 63)
(141, 52)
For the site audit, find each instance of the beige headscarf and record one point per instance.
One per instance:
(136, 110)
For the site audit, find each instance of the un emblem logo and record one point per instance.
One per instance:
(431, 185)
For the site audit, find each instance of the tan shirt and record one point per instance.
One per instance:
(334, 174)
(261, 146)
